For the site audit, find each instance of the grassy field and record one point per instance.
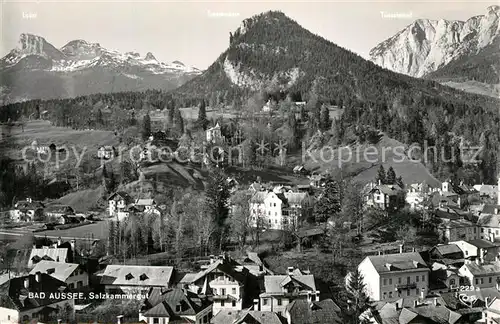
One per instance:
(98, 230)
(82, 200)
(492, 90)
(45, 134)
(365, 166)
(192, 113)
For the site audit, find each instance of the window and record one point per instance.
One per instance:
(79, 284)
(279, 302)
(399, 280)
(215, 291)
(233, 291)
(423, 278)
(385, 282)
(274, 204)
(466, 253)
(390, 294)
(156, 320)
(390, 281)
(417, 278)
(275, 213)
(264, 301)
(223, 291)
(477, 281)
(407, 280)
(482, 230)
(489, 280)
(222, 303)
(474, 230)
(279, 313)
(452, 282)
(482, 281)
(233, 303)
(385, 295)
(408, 292)
(313, 298)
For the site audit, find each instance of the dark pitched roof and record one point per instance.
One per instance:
(122, 194)
(19, 295)
(324, 312)
(173, 303)
(483, 244)
(446, 249)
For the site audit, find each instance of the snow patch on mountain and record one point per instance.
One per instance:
(426, 45)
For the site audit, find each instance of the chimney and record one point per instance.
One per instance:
(290, 271)
(211, 259)
(379, 252)
(34, 245)
(413, 249)
(486, 301)
(119, 319)
(38, 276)
(255, 304)
(436, 301)
(59, 241)
(72, 242)
(498, 286)
(29, 200)
(27, 282)
(400, 248)
(415, 303)
(379, 182)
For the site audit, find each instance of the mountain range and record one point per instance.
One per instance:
(272, 52)
(38, 70)
(449, 51)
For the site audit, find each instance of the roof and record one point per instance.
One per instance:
(304, 312)
(122, 194)
(483, 269)
(490, 209)
(224, 266)
(145, 202)
(14, 295)
(245, 316)
(164, 303)
(486, 189)
(127, 275)
(397, 262)
(259, 196)
(438, 314)
(445, 249)
(390, 190)
(274, 284)
(489, 220)
(49, 254)
(310, 232)
(63, 209)
(26, 205)
(296, 197)
(480, 243)
(58, 270)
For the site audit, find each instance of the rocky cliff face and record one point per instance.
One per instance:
(427, 45)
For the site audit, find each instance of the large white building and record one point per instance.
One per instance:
(393, 276)
(72, 274)
(279, 209)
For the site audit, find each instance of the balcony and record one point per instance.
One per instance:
(406, 286)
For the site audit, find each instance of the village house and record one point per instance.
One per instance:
(445, 276)
(457, 229)
(281, 290)
(392, 276)
(72, 274)
(487, 191)
(491, 313)
(481, 275)
(27, 211)
(118, 204)
(446, 252)
(214, 134)
(146, 205)
(21, 302)
(223, 280)
(164, 306)
(245, 316)
(136, 279)
(106, 152)
(279, 209)
(301, 311)
(49, 253)
(488, 224)
(479, 249)
(385, 197)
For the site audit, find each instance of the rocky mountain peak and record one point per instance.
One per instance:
(427, 45)
(150, 57)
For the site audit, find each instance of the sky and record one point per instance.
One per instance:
(197, 32)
